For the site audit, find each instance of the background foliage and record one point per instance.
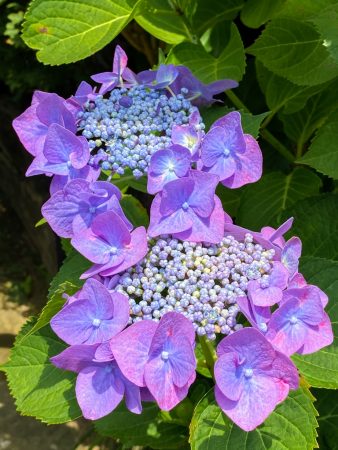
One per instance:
(285, 55)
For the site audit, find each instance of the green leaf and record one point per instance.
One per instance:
(316, 223)
(281, 94)
(263, 202)
(291, 426)
(327, 405)
(256, 12)
(326, 24)
(323, 152)
(321, 368)
(167, 23)
(146, 429)
(230, 199)
(301, 125)
(128, 180)
(135, 211)
(294, 50)
(229, 64)
(39, 388)
(212, 12)
(72, 268)
(202, 366)
(54, 305)
(64, 31)
(250, 123)
(304, 9)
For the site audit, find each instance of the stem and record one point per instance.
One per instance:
(208, 352)
(277, 145)
(266, 135)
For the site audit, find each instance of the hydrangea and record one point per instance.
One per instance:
(131, 328)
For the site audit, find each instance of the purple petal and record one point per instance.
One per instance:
(98, 390)
(52, 110)
(249, 167)
(177, 221)
(202, 199)
(75, 358)
(159, 381)
(31, 132)
(86, 173)
(103, 353)
(63, 206)
(132, 396)
(284, 228)
(250, 345)
(318, 336)
(205, 230)
(172, 324)
(291, 254)
(283, 369)
(289, 325)
(268, 296)
(228, 376)
(131, 349)
(120, 60)
(132, 254)
(258, 316)
(63, 149)
(175, 194)
(255, 404)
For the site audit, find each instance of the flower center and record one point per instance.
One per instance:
(226, 152)
(69, 164)
(165, 355)
(96, 323)
(92, 209)
(263, 327)
(293, 320)
(171, 166)
(185, 206)
(248, 373)
(113, 250)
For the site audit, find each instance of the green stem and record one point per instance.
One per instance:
(266, 135)
(208, 352)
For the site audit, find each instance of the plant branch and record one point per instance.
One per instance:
(208, 352)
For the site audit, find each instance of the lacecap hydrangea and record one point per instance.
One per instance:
(132, 327)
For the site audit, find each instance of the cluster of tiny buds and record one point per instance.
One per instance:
(201, 281)
(125, 129)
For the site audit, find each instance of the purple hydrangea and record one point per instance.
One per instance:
(73, 209)
(109, 244)
(235, 157)
(161, 78)
(158, 356)
(95, 317)
(189, 135)
(188, 209)
(251, 377)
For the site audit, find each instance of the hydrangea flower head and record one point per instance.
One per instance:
(251, 377)
(158, 356)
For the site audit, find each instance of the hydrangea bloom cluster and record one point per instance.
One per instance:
(131, 328)
(124, 130)
(200, 281)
